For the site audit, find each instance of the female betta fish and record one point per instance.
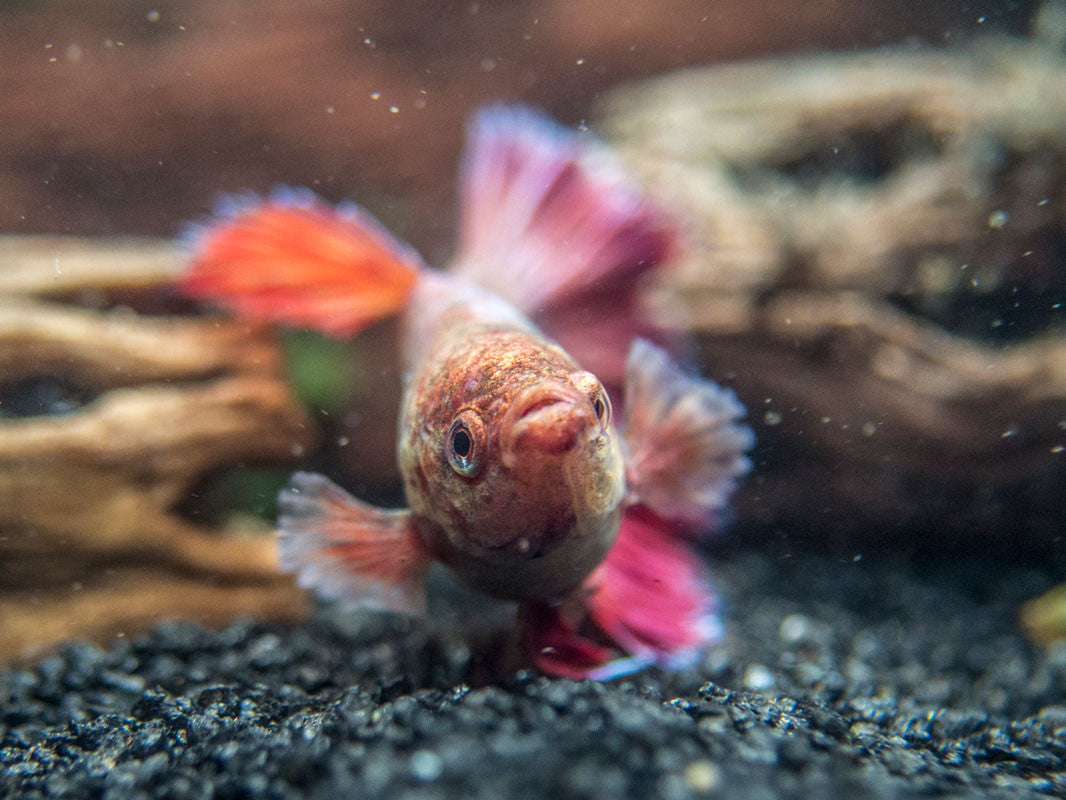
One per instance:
(518, 479)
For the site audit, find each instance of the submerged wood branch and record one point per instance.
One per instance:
(877, 266)
(91, 541)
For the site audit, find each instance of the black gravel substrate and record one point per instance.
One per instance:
(854, 678)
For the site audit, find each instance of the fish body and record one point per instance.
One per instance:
(517, 476)
(530, 502)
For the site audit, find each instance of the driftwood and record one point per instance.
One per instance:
(90, 541)
(877, 254)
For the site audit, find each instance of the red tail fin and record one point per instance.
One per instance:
(294, 259)
(551, 223)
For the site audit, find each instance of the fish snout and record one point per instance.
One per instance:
(550, 419)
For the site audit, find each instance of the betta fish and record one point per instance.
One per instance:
(519, 477)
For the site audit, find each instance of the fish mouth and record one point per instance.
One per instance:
(548, 418)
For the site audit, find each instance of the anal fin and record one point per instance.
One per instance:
(348, 550)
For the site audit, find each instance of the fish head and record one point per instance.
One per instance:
(511, 458)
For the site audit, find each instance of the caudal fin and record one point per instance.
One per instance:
(551, 222)
(294, 259)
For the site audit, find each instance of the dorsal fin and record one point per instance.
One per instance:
(551, 222)
(292, 258)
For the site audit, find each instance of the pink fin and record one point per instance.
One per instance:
(554, 645)
(296, 260)
(348, 550)
(551, 222)
(651, 594)
(685, 444)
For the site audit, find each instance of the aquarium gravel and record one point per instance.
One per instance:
(840, 676)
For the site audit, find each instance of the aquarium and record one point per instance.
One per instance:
(586, 400)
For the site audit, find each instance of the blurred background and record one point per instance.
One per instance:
(129, 117)
(875, 195)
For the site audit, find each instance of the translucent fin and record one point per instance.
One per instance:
(551, 223)
(294, 259)
(685, 446)
(651, 595)
(347, 550)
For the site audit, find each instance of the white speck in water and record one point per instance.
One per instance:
(1044, 202)
(975, 282)
(57, 266)
(426, 765)
(856, 559)
(369, 42)
(152, 16)
(997, 219)
(794, 628)
(702, 776)
(1057, 449)
(523, 545)
(74, 53)
(869, 428)
(375, 95)
(981, 19)
(772, 417)
(488, 64)
(297, 450)
(758, 678)
(826, 420)
(329, 109)
(580, 61)
(394, 109)
(1008, 433)
(343, 441)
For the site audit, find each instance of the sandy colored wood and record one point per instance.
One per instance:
(117, 349)
(89, 498)
(55, 265)
(881, 171)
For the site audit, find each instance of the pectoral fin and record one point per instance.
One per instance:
(348, 550)
(685, 444)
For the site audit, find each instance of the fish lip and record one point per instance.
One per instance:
(548, 418)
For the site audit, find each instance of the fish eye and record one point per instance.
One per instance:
(601, 406)
(463, 444)
(588, 384)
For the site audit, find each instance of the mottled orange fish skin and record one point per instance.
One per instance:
(543, 509)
